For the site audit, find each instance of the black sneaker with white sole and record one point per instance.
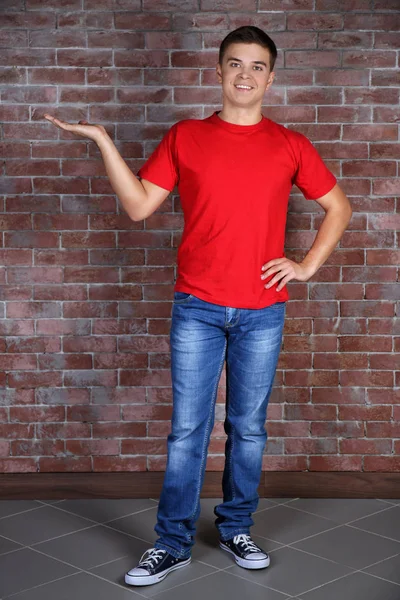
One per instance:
(245, 552)
(154, 565)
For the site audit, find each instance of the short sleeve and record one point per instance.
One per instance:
(161, 167)
(312, 177)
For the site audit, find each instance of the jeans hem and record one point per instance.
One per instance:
(175, 553)
(231, 534)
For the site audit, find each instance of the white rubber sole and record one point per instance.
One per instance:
(247, 564)
(151, 579)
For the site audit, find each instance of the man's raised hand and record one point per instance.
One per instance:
(82, 128)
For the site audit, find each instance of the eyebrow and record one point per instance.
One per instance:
(256, 62)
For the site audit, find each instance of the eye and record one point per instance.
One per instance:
(233, 63)
(258, 67)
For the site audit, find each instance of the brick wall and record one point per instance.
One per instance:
(85, 293)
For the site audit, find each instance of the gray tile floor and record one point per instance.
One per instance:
(320, 549)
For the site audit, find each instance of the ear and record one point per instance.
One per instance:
(271, 78)
(219, 72)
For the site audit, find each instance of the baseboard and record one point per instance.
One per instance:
(273, 484)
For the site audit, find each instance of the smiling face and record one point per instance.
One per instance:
(245, 75)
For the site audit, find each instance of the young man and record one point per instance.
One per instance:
(234, 171)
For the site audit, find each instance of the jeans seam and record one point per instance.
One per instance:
(212, 408)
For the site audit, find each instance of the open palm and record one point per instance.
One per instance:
(82, 128)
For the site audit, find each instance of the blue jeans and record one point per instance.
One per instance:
(203, 335)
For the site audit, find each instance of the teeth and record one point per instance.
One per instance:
(245, 87)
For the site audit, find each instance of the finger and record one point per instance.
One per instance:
(275, 261)
(57, 122)
(283, 283)
(277, 278)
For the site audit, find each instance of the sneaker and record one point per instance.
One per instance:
(154, 566)
(245, 552)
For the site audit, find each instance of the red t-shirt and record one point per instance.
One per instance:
(234, 183)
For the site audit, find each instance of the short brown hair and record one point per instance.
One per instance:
(249, 34)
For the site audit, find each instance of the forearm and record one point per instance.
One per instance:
(328, 235)
(125, 184)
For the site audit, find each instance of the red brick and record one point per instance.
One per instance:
(316, 21)
(371, 96)
(382, 463)
(91, 275)
(92, 447)
(369, 58)
(74, 310)
(370, 132)
(385, 361)
(18, 465)
(144, 58)
(384, 114)
(372, 21)
(382, 150)
(384, 222)
(284, 463)
(115, 464)
(90, 378)
(311, 446)
(64, 464)
(365, 446)
(366, 379)
(335, 463)
(35, 310)
(35, 275)
(119, 430)
(371, 239)
(345, 39)
(342, 77)
(387, 291)
(320, 58)
(61, 185)
(387, 39)
(366, 308)
(34, 379)
(386, 186)
(338, 395)
(32, 414)
(343, 5)
(15, 257)
(30, 239)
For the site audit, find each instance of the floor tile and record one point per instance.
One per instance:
(293, 572)
(349, 546)
(388, 569)
(12, 507)
(339, 510)
(221, 585)
(115, 572)
(26, 568)
(286, 525)
(8, 545)
(357, 586)
(91, 547)
(386, 523)
(140, 525)
(40, 524)
(103, 510)
(81, 586)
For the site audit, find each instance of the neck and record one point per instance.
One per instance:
(241, 116)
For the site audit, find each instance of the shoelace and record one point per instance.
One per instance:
(153, 554)
(246, 540)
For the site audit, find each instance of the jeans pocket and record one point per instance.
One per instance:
(182, 297)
